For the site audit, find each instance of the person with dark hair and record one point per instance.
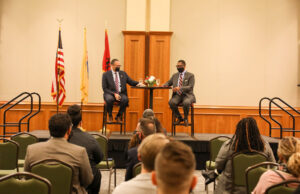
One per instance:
(147, 152)
(146, 127)
(58, 148)
(114, 88)
(246, 138)
(174, 169)
(148, 113)
(87, 141)
(183, 85)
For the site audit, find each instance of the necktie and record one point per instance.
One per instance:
(180, 84)
(117, 82)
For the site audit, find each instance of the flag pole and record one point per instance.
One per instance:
(57, 78)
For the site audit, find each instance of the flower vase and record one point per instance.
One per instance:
(150, 84)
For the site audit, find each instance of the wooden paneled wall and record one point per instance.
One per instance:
(208, 119)
(159, 66)
(134, 66)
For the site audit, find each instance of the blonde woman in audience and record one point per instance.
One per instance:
(147, 152)
(288, 153)
(174, 169)
(246, 138)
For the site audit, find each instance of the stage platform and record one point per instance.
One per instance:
(118, 145)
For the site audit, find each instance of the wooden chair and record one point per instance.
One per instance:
(182, 124)
(105, 122)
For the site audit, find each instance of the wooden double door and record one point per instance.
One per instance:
(145, 54)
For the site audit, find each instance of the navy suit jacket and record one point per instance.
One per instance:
(108, 83)
(132, 159)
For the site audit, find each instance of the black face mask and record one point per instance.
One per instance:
(180, 69)
(117, 69)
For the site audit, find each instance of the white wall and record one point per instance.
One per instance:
(239, 50)
(28, 42)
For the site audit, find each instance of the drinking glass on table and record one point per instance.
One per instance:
(157, 82)
(141, 81)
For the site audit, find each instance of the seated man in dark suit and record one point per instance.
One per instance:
(114, 88)
(146, 127)
(183, 85)
(58, 148)
(87, 141)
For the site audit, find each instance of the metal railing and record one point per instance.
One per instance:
(14, 102)
(287, 111)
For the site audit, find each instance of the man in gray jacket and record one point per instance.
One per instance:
(58, 148)
(183, 86)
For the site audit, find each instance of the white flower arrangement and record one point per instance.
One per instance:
(150, 81)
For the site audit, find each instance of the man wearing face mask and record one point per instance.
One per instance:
(183, 85)
(114, 88)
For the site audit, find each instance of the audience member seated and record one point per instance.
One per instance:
(58, 148)
(148, 113)
(147, 152)
(87, 141)
(289, 169)
(145, 127)
(174, 169)
(246, 138)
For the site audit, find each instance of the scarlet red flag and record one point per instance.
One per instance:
(106, 56)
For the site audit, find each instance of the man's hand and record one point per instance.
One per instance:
(176, 89)
(117, 97)
(140, 85)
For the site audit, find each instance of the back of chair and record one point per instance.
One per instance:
(241, 161)
(137, 169)
(60, 174)
(24, 140)
(8, 154)
(103, 142)
(281, 187)
(254, 172)
(215, 145)
(29, 184)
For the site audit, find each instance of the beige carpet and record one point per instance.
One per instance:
(121, 174)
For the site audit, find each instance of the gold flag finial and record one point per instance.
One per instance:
(60, 21)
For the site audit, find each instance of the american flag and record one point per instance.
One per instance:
(58, 83)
